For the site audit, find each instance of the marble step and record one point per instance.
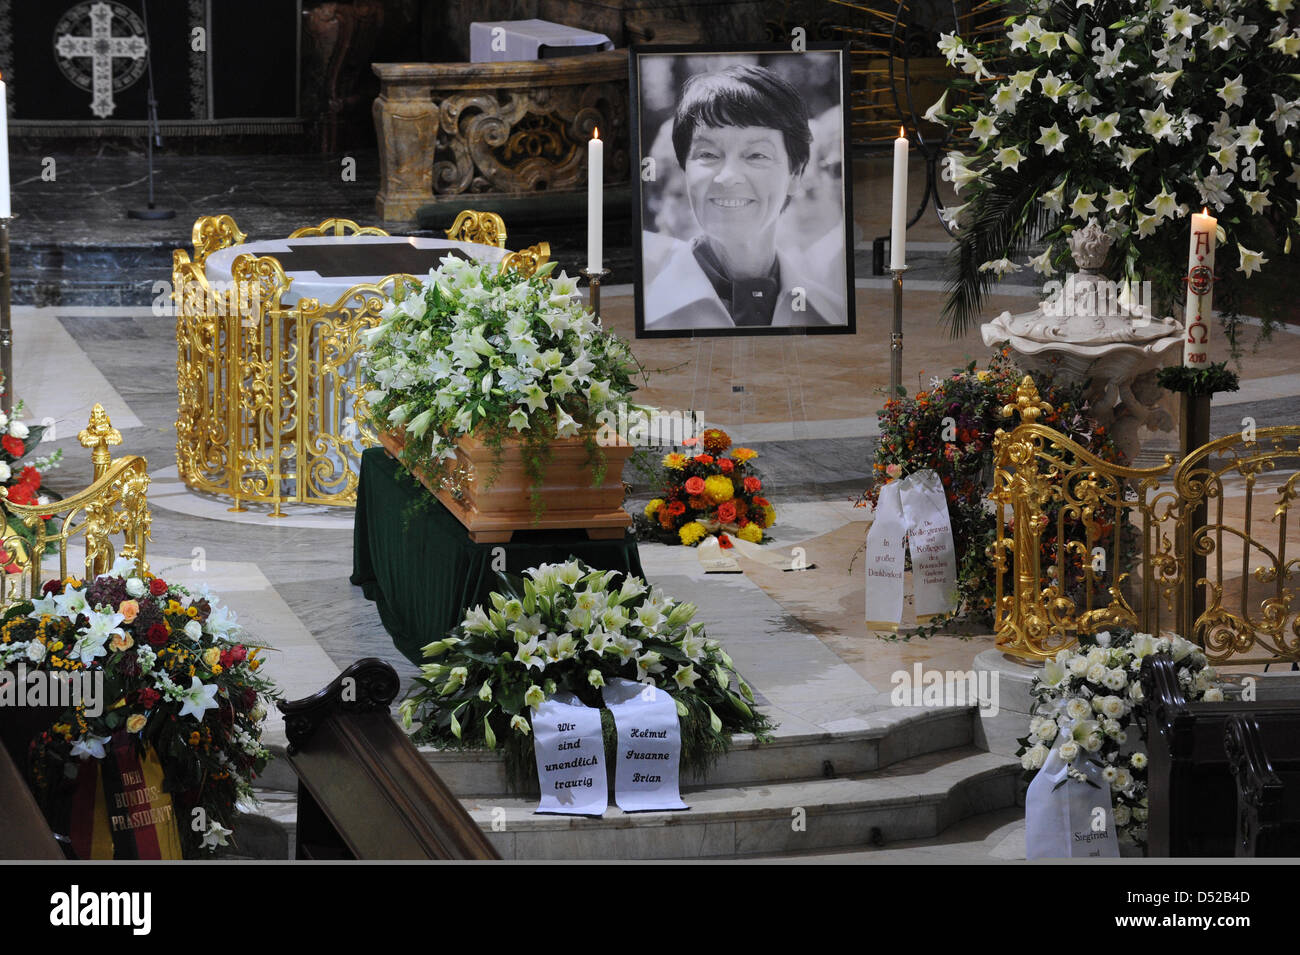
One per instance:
(916, 798)
(905, 734)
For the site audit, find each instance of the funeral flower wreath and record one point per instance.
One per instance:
(177, 677)
(1089, 705)
(567, 627)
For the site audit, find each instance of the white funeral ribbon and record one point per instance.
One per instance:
(929, 540)
(1066, 818)
(649, 746)
(570, 751)
(915, 508)
(884, 562)
(781, 560)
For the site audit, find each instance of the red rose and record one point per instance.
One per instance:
(724, 542)
(676, 508)
(695, 485)
(13, 446)
(727, 465)
(727, 512)
(148, 698)
(158, 634)
(753, 485)
(157, 586)
(31, 477)
(250, 698)
(239, 653)
(51, 587)
(703, 459)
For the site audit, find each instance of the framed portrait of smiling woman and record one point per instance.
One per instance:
(743, 194)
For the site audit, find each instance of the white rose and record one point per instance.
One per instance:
(1115, 679)
(1138, 760)
(1123, 779)
(1035, 757)
(1180, 648)
(194, 630)
(1092, 743)
(1123, 815)
(1110, 727)
(1077, 709)
(36, 651)
(1096, 673)
(135, 587)
(18, 430)
(5, 471)
(1047, 732)
(1140, 815)
(1068, 751)
(1112, 706)
(1213, 695)
(1097, 655)
(1097, 703)
(1078, 666)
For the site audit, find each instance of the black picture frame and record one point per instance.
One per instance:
(661, 253)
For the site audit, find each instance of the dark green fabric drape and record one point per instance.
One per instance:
(416, 561)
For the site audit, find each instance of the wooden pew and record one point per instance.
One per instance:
(24, 833)
(364, 790)
(1268, 793)
(1192, 795)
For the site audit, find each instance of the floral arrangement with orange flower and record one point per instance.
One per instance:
(948, 428)
(175, 675)
(715, 491)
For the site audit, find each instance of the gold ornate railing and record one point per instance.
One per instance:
(114, 504)
(1089, 544)
(270, 404)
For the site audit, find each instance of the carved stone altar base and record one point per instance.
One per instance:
(449, 130)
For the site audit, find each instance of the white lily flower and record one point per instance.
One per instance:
(1042, 263)
(940, 106)
(1130, 155)
(519, 420)
(1000, 267)
(1165, 82)
(565, 425)
(1158, 124)
(1005, 98)
(1052, 139)
(1249, 137)
(1217, 35)
(984, 128)
(1284, 114)
(1053, 86)
(1020, 35)
(1182, 21)
(1164, 205)
(1146, 224)
(1251, 262)
(1049, 41)
(1082, 205)
(1009, 157)
(1233, 91)
(1289, 44)
(198, 699)
(1053, 199)
(1257, 201)
(1116, 199)
(1104, 129)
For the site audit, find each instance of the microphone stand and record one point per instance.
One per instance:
(152, 211)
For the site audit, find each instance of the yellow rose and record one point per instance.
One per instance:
(135, 722)
(120, 642)
(653, 507)
(211, 657)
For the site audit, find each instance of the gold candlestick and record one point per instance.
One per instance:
(593, 281)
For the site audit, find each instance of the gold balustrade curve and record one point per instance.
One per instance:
(1124, 542)
(270, 403)
(115, 503)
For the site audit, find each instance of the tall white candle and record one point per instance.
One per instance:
(595, 210)
(1200, 290)
(898, 224)
(5, 211)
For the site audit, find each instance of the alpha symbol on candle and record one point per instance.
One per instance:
(1202, 242)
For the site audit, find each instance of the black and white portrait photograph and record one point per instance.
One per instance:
(742, 195)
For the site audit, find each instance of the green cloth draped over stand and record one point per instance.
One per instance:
(415, 560)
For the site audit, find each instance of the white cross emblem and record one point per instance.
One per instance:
(101, 48)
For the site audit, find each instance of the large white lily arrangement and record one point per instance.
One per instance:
(1089, 705)
(567, 627)
(502, 355)
(1138, 112)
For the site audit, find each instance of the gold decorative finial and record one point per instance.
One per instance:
(1029, 405)
(98, 435)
